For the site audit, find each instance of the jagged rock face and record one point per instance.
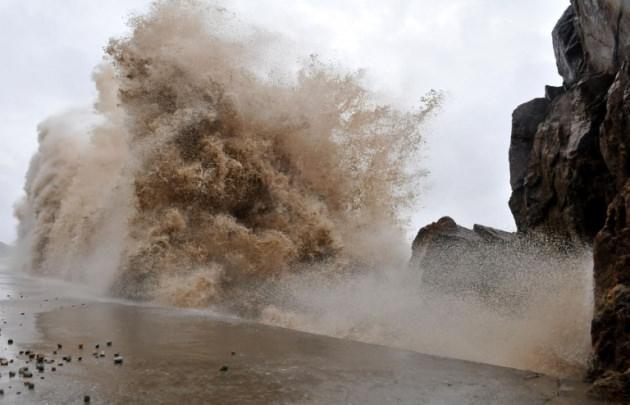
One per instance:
(570, 170)
(615, 130)
(604, 27)
(611, 249)
(568, 47)
(562, 184)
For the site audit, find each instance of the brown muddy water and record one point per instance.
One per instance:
(174, 355)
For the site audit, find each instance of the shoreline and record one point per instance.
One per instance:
(172, 354)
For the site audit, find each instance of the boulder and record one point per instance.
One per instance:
(457, 260)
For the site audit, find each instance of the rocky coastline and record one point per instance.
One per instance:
(570, 175)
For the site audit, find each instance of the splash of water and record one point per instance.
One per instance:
(204, 172)
(199, 179)
(534, 315)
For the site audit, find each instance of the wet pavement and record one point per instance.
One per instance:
(186, 356)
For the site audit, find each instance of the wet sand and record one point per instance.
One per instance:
(173, 355)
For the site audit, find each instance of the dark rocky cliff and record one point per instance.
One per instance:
(570, 177)
(570, 169)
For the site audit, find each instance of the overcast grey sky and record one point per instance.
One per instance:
(488, 55)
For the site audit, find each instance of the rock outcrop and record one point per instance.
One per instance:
(458, 260)
(494, 266)
(570, 169)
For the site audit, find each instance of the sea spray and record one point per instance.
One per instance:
(205, 174)
(535, 314)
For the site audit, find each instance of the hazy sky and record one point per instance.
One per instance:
(488, 55)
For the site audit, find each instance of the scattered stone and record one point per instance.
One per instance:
(29, 385)
(86, 399)
(79, 358)
(4, 362)
(118, 359)
(101, 354)
(53, 369)
(11, 374)
(97, 346)
(67, 358)
(224, 369)
(59, 346)
(80, 346)
(10, 341)
(25, 372)
(233, 353)
(109, 343)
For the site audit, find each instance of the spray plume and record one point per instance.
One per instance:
(204, 170)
